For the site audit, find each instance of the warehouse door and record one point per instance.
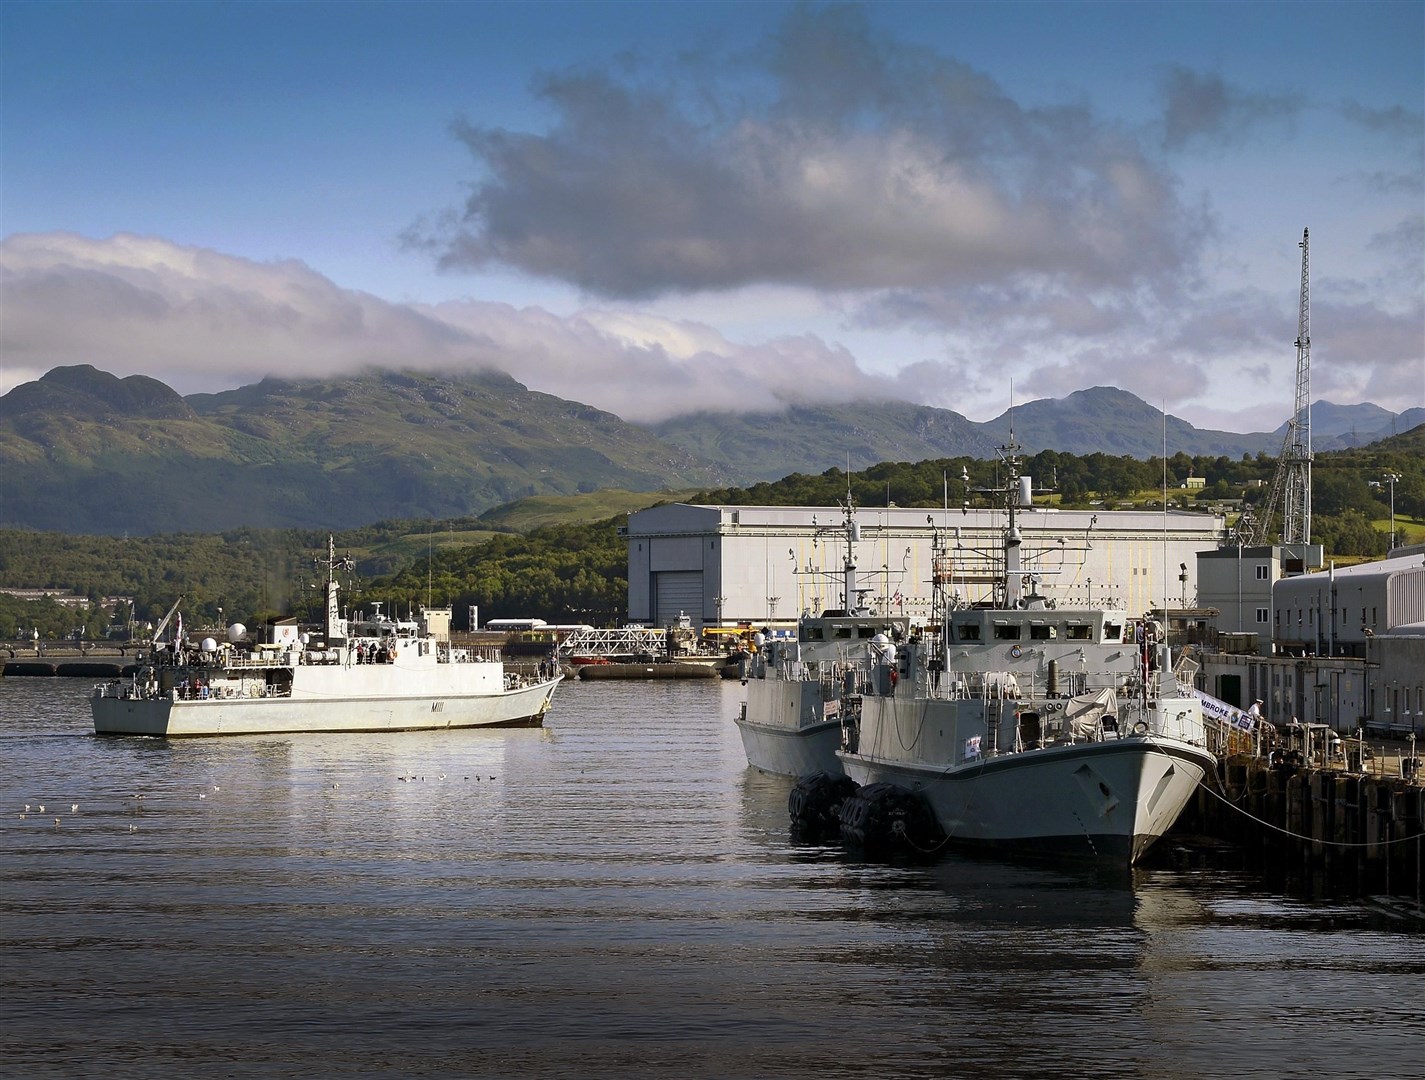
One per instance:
(678, 592)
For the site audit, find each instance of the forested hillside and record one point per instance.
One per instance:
(576, 572)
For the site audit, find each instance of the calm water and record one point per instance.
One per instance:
(614, 895)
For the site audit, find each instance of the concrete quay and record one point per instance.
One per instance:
(67, 660)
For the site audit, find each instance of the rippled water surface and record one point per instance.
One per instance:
(613, 895)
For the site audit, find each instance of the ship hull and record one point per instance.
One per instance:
(1106, 802)
(176, 718)
(785, 730)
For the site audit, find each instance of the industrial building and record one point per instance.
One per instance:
(1238, 582)
(1347, 649)
(724, 565)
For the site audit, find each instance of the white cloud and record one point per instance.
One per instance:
(867, 165)
(200, 320)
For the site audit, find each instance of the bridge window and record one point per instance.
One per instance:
(968, 632)
(1080, 632)
(1007, 631)
(1040, 632)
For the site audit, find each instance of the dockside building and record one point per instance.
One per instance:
(724, 565)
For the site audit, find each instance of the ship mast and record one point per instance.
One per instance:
(1013, 584)
(335, 625)
(848, 567)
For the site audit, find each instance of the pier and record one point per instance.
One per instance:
(97, 660)
(1356, 831)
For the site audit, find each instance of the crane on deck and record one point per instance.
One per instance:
(1291, 483)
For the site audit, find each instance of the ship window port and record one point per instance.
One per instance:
(969, 633)
(1007, 633)
(1042, 633)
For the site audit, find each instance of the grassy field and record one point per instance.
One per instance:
(1407, 530)
(540, 510)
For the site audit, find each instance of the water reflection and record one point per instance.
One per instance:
(614, 895)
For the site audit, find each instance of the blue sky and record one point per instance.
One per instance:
(658, 208)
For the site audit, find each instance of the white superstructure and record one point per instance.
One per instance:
(376, 674)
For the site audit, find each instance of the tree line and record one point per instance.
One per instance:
(578, 572)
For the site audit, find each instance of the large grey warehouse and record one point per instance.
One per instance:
(721, 565)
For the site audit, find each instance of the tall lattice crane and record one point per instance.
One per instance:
(1291, 484)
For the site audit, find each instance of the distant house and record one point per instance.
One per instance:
(67, 599)
(1195, 483)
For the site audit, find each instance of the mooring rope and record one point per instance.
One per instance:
(1299, 836)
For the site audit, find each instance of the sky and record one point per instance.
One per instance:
(659, 208)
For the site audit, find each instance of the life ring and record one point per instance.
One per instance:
(1140, 728)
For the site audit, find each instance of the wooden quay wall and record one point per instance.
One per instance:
(1333, 831)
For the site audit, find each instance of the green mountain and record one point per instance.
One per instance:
(1107, 420)
(1103, 419)
(813, 438)
(82, 451)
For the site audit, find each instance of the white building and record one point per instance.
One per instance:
(1349, 649)
(1335, 612)
(722, 565)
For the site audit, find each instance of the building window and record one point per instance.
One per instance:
(1262, 572)
(1263, 615)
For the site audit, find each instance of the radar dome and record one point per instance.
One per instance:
(236, 632)
(207, 645)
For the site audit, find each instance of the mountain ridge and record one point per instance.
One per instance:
(82, 450)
